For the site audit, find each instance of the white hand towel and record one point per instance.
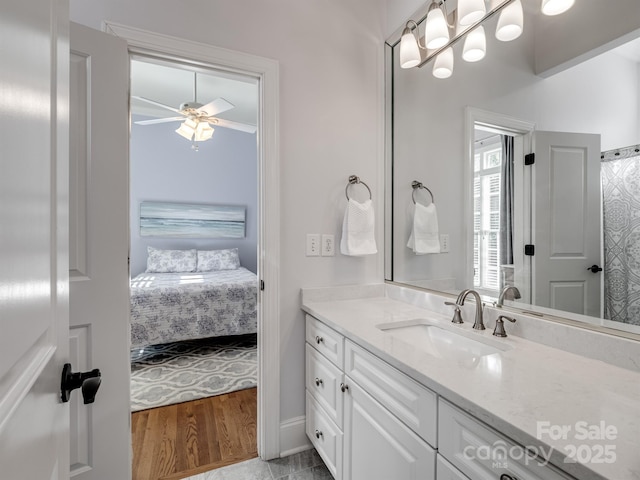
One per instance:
(424, 236)
(358, 229)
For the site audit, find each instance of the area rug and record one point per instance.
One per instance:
(183, 371)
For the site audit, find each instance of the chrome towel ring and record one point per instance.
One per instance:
(352, 181)
(417, 185)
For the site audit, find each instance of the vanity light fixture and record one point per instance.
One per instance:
(469, 16)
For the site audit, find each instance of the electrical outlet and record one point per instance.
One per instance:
(313, 244)
(327, 245)
(444, 243)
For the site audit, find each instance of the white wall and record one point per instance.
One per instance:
(331, 113)
(598, 96)
(164, 168)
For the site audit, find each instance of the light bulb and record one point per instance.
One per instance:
(470, 11)
(409, 51)
(510, 22)
(556, 7)
(436, 32)
(475, 45)
(443, 64)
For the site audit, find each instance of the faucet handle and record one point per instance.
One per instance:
(499, 330)
(457, 316)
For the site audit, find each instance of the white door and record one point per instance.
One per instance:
(99, 244)
(377, 446)
(34, 423)
(566, 222)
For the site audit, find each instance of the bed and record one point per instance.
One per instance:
(175, 306)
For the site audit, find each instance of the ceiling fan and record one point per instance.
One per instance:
(197, 118)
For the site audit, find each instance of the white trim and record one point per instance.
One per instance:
(266, 70)
(293, 436)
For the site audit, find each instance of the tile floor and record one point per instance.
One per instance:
(305, 465)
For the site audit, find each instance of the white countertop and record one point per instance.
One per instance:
(513, 391)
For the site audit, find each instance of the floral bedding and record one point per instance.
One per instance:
(169, 307)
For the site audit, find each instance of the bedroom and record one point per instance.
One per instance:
(193, 271)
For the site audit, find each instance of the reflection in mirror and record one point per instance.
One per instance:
(465, 138)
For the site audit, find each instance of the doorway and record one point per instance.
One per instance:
(193, 262)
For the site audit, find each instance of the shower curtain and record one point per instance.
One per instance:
(621, 209)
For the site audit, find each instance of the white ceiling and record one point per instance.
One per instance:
(173, 84)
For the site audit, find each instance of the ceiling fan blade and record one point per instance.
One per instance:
(243, 127)
(159, 120)
(157, 104)
(219, 105)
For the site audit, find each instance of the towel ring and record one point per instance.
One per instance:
(417, 185)
(352, 181)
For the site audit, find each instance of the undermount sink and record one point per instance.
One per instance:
(443, 343)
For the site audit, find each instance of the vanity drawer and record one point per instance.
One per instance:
(325, 436)
(323, 381)
(414, 404)
(327, 341)
(477, 451)
(446, 471)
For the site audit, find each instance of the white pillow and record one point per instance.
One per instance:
(214, 260)
(170, 261)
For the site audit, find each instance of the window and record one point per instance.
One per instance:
(486, 217)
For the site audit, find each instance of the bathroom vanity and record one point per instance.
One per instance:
(394, 390)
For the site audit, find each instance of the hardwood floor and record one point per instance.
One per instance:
(177, 441)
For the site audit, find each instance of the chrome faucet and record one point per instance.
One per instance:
(477, 324)
(505, 291)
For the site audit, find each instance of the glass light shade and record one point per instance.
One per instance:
(510, 22)
(443, 64)
(470, 11)
(556, 7)
(436, 32)
(204, 131)
(409, 51)
(187, 129)
(475, 45)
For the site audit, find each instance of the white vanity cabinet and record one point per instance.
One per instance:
(366, 419)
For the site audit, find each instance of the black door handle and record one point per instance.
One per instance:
(89, 381)
(594, 268)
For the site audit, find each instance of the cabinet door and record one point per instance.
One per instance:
(446, 471)
(378, 446)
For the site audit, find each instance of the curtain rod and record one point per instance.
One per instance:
(620, 153)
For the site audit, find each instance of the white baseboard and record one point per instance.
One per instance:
(293, 436)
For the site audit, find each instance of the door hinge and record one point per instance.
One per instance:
(261, 285)
(529, 250)
(530, 159)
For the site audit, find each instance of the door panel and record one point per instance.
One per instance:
(566, 222)
(99, 288)
(34, 428)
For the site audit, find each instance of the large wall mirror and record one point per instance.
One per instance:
(457, 146)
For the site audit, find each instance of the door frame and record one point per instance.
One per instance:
(143, 42)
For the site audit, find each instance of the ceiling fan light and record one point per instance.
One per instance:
(409, 51)
(470, 11)
(436, 32)
(556, 7)
(443, 65)
(187, 129)
(475, 45)
(510, 22)
(204, 131)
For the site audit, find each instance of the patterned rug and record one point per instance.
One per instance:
(183, 371)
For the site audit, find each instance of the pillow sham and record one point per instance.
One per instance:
(170, 261)
(214, 260)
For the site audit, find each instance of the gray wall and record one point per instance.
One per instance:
(165, 168)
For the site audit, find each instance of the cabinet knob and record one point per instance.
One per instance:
(319, 339)
(344, 387)
(504, 476)
(318, 434)
(318, 382)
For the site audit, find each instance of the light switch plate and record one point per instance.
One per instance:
(313, 244)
